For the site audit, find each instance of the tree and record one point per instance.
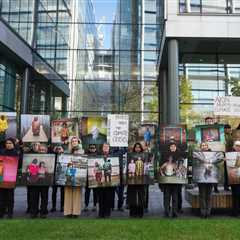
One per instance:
(186, 99)
(235, 86)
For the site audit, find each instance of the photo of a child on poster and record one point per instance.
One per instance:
(71, 170)
(212, 134)
(208, 167)
(233, 167)
(103, 172)
(8, 125)
(63, 130)
(38, 169)
(147, 136)
(140, 169)
(173, 169)
(173, 134)
(93, 130)
(8, 171)
(236, 135)
(35, 128)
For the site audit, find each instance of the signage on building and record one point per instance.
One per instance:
(118, 128)
(227, 106)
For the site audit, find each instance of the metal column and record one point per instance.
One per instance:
(173, 82)
(25, 86)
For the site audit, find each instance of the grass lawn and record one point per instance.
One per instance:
(120, 229)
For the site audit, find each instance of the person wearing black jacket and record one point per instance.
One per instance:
(7, 194)
(136, 193)
(92, 151)
(105, 194)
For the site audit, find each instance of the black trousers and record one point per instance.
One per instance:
(146, 196)
(37, 193)
(180, 198)
(6, 201)
(136, 200)
(235, 199)
(87, 196)
(120, 193)
(170, 198)
(54, 196)
(105, 196)
(205, 192)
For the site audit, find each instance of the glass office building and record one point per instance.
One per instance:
(205, 40)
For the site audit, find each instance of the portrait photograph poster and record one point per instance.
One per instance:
(233, 167)
(38, 169)
(173, 134)
(103, 172)
(173, 170)
(9, 124)
(208, 167)
(212, 134)
(140, 169)
(63, 130)
(93, 130)
(71, 170)
(8, 171)
(35, 128)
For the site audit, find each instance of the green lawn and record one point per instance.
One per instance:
(120, 229)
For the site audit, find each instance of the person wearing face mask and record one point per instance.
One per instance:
(7, 194)
(72, 195)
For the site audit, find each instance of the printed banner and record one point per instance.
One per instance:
(103, 172)
(233, 167)
(8, 125)
(173, 134)
(63, 130)
(208, 167)
(71, 170)
(118, 128)
(38, 169)
(93, 130)
(35, 128)
(140, 169)
(173, 169)
(227, 106)
(212, 134)
(8, 171)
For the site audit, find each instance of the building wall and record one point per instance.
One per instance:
(194, 25)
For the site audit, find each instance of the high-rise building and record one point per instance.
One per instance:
(198, 58)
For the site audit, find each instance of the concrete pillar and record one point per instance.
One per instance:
(34, 24)
(25, 88)
(173, 82)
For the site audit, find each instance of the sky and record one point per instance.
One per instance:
(105, 11)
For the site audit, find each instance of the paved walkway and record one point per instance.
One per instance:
(155, 206)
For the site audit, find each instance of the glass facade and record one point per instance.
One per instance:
(209, 6)
(207, 76)
(106, 51)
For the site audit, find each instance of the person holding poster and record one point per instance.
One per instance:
(72, 195)
(171, 192)
(205, 190)
(236, 188)
(7, 194)
(105, 194)
(136, 193)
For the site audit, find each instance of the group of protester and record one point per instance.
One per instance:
(104, 197)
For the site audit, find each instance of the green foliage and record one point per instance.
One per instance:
(235, 86)
(186, 99)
